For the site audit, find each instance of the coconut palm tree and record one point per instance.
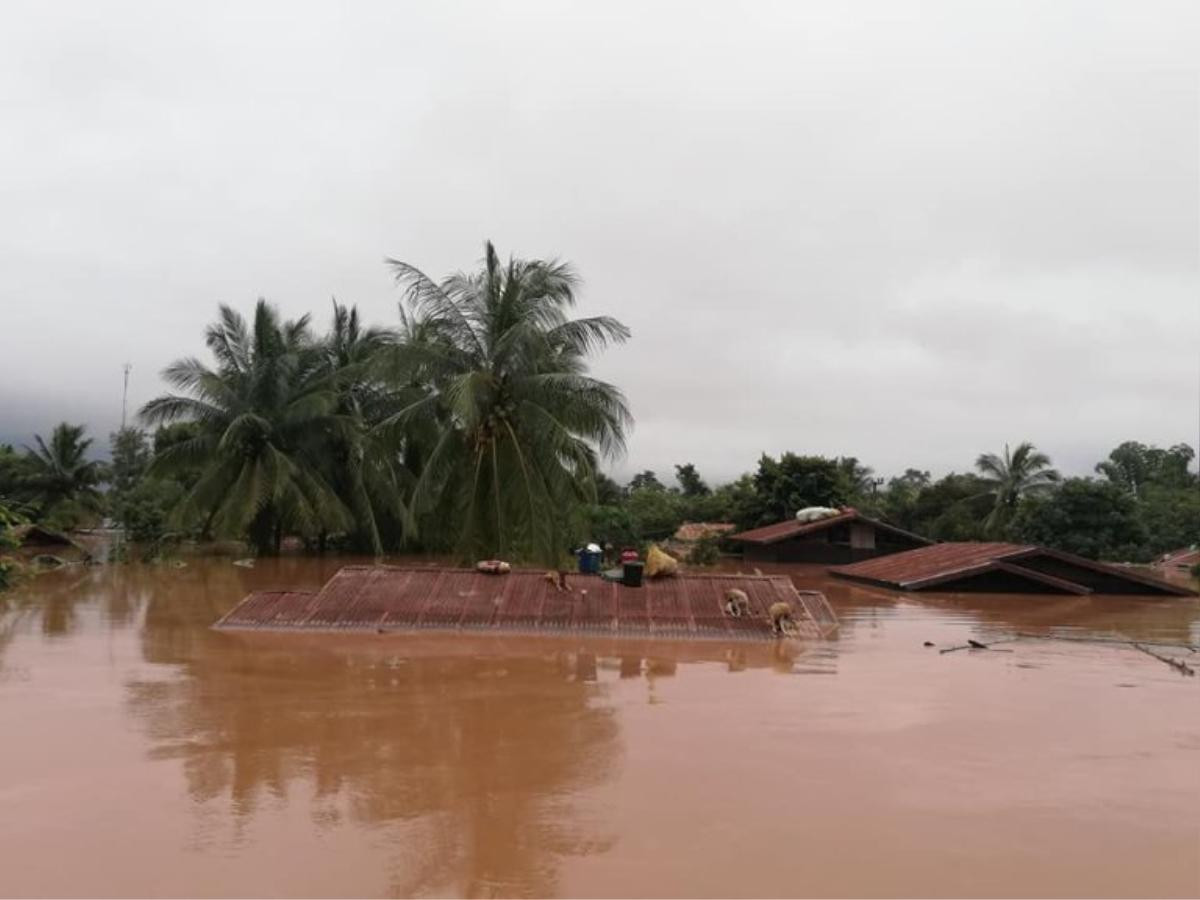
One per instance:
(509, 423)
(1023, 471)
(61, 481)
(363, 464)
(264, 416)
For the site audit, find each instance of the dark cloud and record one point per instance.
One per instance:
(903, 231)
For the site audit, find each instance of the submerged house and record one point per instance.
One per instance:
(35, 542)
(999, 568)
(846, 537)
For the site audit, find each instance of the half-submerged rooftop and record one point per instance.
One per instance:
(1002, 568)
(392, 598)
(846, 537)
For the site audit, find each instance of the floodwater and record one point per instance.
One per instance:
(142, 754)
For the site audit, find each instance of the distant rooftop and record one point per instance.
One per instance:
(790, 528)
(1001, 568)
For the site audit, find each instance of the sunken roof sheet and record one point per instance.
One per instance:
(790, 528)
(387, 598)
(941, 564)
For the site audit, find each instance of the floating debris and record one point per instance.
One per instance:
(1177, 664)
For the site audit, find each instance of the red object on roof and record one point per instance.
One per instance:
(1001, 568)
(388, 598)
(790, 528)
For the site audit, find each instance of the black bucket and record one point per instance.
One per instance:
(633, 574)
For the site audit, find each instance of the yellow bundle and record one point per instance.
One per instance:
(659, 563)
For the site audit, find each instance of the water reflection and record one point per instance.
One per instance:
(484, 754)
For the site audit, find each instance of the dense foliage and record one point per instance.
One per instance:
(54, 482)
(472, 426)
(1015, 496)
(9, 568)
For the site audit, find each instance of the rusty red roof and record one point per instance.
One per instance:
(1183, 558)
(694, 531)
(390, 598)
(958, 563)
(790, 528)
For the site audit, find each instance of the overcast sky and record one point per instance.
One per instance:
(905, 232)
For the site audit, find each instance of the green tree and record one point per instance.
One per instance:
(857, 482)
(657, 512)
(512, 424)
(62, 482)
(363, 463)
(794, 482)
(262, 416)
(690, 482)
(130, 457)
(1135, 466)
(1008, 478)
(9, 568)
(167, 436)
(1091, 518)
(1170, 518)
(737, 502)
(953, 508)
(14, 479)
(145, 510)
(643, 480)
(898, 502)
(611, 524)
(608, 492)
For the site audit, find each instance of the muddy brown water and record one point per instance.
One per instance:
(142, 754)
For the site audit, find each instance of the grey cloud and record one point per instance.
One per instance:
(903, 231)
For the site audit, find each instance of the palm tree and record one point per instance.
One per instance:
(264, 415)
(509, 424)
(363, 465)
(1009, 478)
(60, 478)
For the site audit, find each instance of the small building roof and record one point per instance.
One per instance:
(37, 534)
(957, 564)
(32, 538)
(790, 528)
(694, 531)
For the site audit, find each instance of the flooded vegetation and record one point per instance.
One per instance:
(149, 755)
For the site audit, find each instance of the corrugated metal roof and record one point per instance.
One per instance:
(387, 598)
(1183, 558)
(928, 567)
(790, 528)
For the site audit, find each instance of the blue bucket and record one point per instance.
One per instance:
(589, 561)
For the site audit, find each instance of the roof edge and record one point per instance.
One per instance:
(821, 525)
(1128, 572)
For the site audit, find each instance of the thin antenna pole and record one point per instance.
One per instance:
(125, 395)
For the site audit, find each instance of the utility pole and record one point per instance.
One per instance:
(125, 395)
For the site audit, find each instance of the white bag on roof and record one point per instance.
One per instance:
(815, 513)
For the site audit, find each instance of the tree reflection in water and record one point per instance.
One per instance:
(483, 757)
